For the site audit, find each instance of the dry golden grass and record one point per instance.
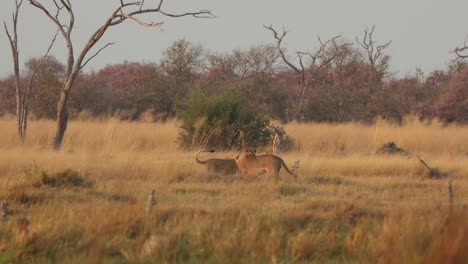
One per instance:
(347, 205)
(351, 138)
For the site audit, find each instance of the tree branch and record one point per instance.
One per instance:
(67, 5)
(95, 54)
(141, 23)
(31, 78)
(141, 10)
(373, 53)
(200, 14)
(160, 4)
(279, 40)
(300, 55)
(8, 34)
(55, 19)
(42, 60)
(459, 51)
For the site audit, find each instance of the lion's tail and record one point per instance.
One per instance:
(205, 150)
(287, 169)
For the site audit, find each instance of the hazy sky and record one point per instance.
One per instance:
(423, 31)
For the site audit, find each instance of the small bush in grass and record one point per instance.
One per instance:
(64, 178)
(221, 122)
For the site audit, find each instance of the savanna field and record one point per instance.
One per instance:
(87, 203)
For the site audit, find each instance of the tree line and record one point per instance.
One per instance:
(348, 88)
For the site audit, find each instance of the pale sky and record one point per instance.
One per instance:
(424, 32)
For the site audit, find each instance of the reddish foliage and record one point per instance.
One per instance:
(7, 96)
(347, 89)
(452, 104)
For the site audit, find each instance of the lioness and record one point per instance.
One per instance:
(249, 163)
(222, 166)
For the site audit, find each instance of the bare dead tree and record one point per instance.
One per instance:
(316, 60)
(377, 63)
(13, 39)
(22, 97)
(373, 51)
(60, 9)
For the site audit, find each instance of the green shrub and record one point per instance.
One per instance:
(65, 178)
(221, 122)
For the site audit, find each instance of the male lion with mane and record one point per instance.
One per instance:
(250, 164)
(222, 166)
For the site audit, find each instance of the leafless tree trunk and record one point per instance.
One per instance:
(316, 61)
(22, 97)
(64, 8)
(13, 39)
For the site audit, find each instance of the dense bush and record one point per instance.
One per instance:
(221, 122)
(452, 104)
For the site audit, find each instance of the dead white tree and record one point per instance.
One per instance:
(22, 94)
(57, 10)
(308, 63)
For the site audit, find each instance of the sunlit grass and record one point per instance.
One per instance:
(347, 205)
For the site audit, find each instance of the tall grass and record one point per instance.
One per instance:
(352, 138)
(347, 205)
(108, 135)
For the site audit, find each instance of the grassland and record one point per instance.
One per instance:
(86, 203)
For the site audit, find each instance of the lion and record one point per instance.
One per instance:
(249, 163)
(222, 166)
